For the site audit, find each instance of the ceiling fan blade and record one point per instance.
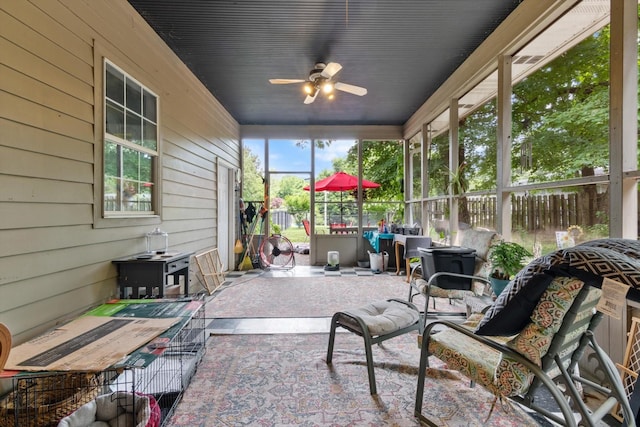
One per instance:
(284, 81)
(355, 90)
(309, 99)
(331, 70)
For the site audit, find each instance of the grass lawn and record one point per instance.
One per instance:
(295, 234)
(298, 235)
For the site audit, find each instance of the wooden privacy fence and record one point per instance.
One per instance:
(532, 212)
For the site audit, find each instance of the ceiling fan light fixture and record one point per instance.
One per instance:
(321, 79)
(312, 92)
(308, 88)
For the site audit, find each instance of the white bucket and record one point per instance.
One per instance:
(379, 262)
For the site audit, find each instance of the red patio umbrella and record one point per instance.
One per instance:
(341, 181)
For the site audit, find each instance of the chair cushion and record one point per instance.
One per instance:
(513, 378)
(437, 292)
(463, 354)
(381, 317)
(480, 240)
(499, 373)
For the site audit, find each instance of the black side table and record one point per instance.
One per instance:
(145, 271)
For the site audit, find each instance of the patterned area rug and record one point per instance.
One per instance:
(283, 380)
(310, 296)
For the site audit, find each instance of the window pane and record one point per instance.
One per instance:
(146, 168)
(134, 97)
(134, 128)
(128, 173)
(335, 207)
(149, 106)
(114, 84)
(438, 163)
(150, 133)
(383, 164)
(114, 120)
(129, 195)
(253, 169)
(128, 184)
(438, 220)
(289, 155)
(416, 173)
(416, 214)
(111, 159)
(112, 195)
(547, 219)
(561, 116)
(477, 133)
(131, 163)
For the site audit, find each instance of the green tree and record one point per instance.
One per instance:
(438, 164)
(477, 141)
(289, 185)
(298, 205)
(252, 181)
(382, 162)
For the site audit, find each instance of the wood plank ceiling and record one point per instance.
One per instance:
(401, 51)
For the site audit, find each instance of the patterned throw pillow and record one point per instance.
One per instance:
(533, 342)
(511, 320)
(627, 247)
(592, 264)
(618, 259)
(510, 301)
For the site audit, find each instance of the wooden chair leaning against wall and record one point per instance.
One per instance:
(211, 268)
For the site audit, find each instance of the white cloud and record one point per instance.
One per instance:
(337, 150)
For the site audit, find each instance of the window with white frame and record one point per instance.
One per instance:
(130, 144)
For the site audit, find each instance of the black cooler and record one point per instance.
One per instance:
(452, 259)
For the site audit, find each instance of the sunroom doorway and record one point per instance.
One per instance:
(283, 168)
(275, 171)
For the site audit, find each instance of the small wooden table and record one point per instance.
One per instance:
(151, 271)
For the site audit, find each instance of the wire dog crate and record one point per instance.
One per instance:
(159, 372)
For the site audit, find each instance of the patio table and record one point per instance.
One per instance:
(374, 238)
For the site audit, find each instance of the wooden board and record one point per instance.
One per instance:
(211, 269)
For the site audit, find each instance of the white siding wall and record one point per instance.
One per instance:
(54, 262)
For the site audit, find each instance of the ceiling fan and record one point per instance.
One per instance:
(321, 79)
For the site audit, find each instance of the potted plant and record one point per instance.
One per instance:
(507, 258)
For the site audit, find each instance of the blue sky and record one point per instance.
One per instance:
(286, 156)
